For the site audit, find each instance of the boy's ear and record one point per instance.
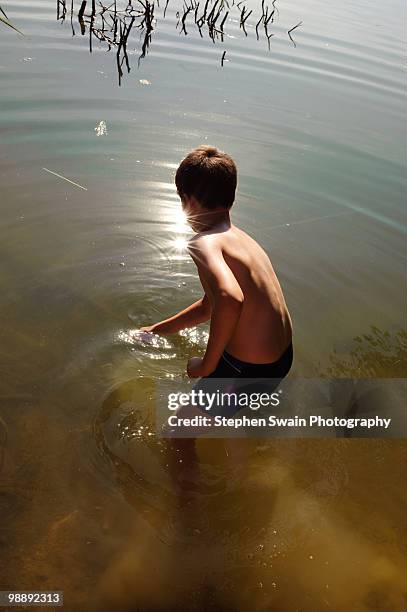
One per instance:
(184, 202)
(193, 202)
(188, 201)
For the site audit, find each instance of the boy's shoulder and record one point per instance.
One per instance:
(215, 242)
(202, 241)
(211, 237)
(204, 248)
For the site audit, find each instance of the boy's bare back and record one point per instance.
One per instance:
(230, 257)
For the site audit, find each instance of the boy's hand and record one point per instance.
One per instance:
(148, 328)
(195, 368)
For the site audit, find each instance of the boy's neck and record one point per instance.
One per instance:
(212, 220)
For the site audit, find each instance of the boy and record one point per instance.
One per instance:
(250, 326)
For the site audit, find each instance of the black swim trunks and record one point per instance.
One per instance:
(231, 367)
(231, 374)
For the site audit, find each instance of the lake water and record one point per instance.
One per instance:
(318, 132)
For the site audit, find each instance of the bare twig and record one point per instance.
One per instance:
(65, 179)
(292, 30)
(112, 22)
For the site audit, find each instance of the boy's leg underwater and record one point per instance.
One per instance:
(182, 462)
(182, 459)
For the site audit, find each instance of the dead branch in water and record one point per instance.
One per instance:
(292, 30)
(113, 23)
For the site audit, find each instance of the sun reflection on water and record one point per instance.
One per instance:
(180, 243)
(136, 337)
(180, 224)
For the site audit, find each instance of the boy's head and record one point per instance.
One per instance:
(209, 176)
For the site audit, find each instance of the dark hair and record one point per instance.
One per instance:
(208, 174)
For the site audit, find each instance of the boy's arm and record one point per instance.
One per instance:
(227, 300)
(197, 313)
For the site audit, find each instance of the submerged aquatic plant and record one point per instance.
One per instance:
(112, 24)
(375, 354)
